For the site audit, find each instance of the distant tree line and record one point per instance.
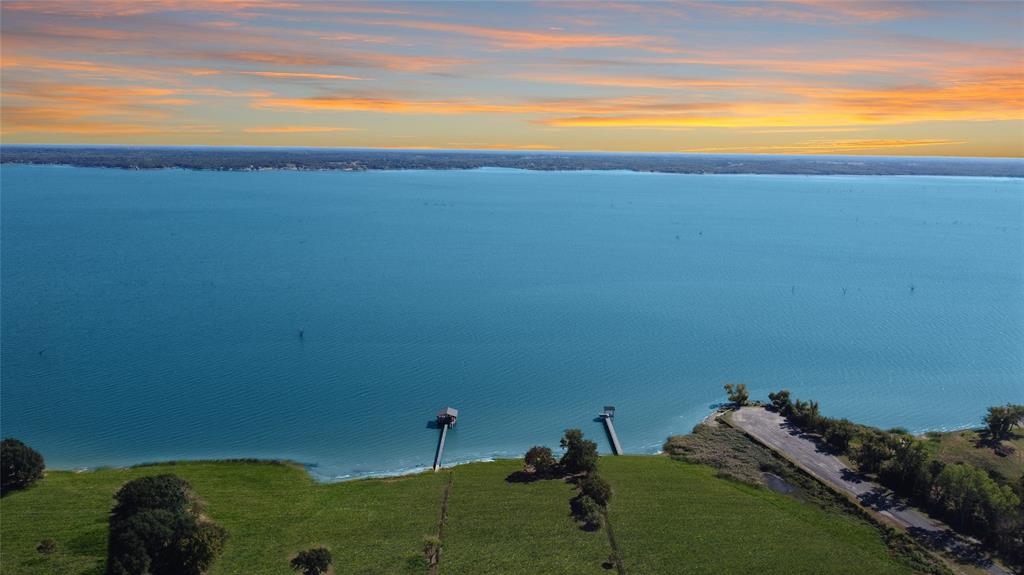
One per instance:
(971, 500)
(353, 159)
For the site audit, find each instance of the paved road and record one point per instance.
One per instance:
(772, 430)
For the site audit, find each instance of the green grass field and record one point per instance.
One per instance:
(496, 527)
(669, 517)
(964, 447)
(674, 517)
(270, 511)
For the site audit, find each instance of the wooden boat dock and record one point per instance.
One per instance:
(445, 420)
(608, 415)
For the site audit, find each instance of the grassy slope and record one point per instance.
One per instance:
(497, 527)
(963, 447)
(271, 511)
(669, 517)
(674, 517)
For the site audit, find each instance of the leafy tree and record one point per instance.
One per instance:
(806, 415)
(587, 512)
(20, 465)
(906, 470)
(737, 394)
(314, 561)
(144, 542)
(972, 499)
(156, 529)
(595, 487)
(168, 492)
(780, 402)
(540, 460)
(1001, 419)
(580, 454)
(873, 451)
(838, 434)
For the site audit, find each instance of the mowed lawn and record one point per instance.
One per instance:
(270, 511)
(674, 517)
(498, 527)
(669, 518)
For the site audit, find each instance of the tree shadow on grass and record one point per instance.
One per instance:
(523, 476)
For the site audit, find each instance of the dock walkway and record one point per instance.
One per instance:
(445, 420)
(608, 415)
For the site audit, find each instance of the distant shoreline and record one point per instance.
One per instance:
(310, 468)
(359, 160)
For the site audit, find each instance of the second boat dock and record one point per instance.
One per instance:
(608, 415)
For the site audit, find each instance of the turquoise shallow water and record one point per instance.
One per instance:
(155, 315)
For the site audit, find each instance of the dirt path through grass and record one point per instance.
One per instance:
(442, 519)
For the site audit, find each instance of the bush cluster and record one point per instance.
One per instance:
(579, 462)
(837, 433)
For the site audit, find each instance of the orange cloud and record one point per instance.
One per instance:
(76, 108)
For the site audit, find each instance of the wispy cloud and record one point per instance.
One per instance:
(301, 75)
(519, 39)
(295, 129)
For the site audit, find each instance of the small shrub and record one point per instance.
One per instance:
(737, 394)
(838, 434)
(595, 487)
(587, 512)
(316, 561)
(47, 546)
(781, 402)
(540, 460)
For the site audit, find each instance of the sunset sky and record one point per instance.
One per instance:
(798, 77)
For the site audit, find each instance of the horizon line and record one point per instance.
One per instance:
(501, 151)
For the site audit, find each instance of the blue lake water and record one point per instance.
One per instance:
(152, 315)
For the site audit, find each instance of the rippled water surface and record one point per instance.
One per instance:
(156, 315)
